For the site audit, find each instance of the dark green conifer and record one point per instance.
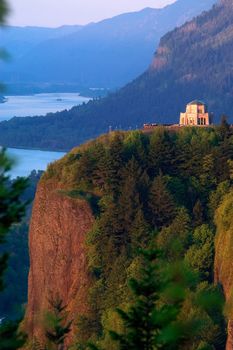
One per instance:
(207, 177)
(200, 255)
(11, 211)
(161, 152)
(152, 321)
(10, 337)
(224, 128)
(57, 325)
(140, 232)
(161, 204)
(198, 214)
(129, 199)
(113, 163)
(175, 239)
(100, 171)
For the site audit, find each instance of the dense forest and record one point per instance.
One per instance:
(161, 188)
(178, 74)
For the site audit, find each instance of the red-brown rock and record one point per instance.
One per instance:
(58, 264)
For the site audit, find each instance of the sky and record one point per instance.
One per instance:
(53, 13)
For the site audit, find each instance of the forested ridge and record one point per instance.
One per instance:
(185, 58)
(66, 58)
(161, 188)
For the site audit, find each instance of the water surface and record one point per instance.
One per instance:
(28, 160)
(38, 104)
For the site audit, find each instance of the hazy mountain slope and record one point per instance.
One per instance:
(194, 61)
(17, 41)
(109, 53)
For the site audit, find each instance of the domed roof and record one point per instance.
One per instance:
(196, 102)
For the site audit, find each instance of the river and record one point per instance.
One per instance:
(27, 160)
(39, 104)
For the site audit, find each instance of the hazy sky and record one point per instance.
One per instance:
(58, 12)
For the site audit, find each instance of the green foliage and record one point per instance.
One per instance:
(158, 95)
(217, 196)
(3, 11)
(198, 214)
(154, 320)
(223, 245)
(200, 255)
(14, 296)
(10, 337)
(57, 325)
(161, 204)
(36, 345)
(12, 209)
(175, 239)
(163, 187)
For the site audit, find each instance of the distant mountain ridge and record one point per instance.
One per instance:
(106, 54)
(18, 41)
(192, 62)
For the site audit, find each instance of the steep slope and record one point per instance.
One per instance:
(19, 40)
(223, 258)
(58, 266)
(185, 58)
(135, 183)
(121, 48)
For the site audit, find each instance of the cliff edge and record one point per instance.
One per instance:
(223, 258)
(58, 265)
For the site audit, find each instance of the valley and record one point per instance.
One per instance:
(157, 96)
(116, 186)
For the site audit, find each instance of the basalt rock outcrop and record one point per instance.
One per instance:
(58, 265)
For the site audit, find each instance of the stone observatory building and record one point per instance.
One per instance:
(196, 115)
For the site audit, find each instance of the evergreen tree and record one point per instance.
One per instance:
(112, 230)
(189, 155)
(216, 197)
(100, 171)
(198, 214)
(200, 255)
(153, 320)
(3, 11)
(129, 199)
(113, 163)
(161, 204)
(161, 153)
(170, 310)
(10, 337)
(175, 239)
(207, 177)
(140, 232)
(224, 128)
(57, 325)
(12, 210)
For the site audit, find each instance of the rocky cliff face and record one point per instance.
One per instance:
(58, 264)
(223, 258)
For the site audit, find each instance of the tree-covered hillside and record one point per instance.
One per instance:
(162, 187)
(106, 54)
(193, 61)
